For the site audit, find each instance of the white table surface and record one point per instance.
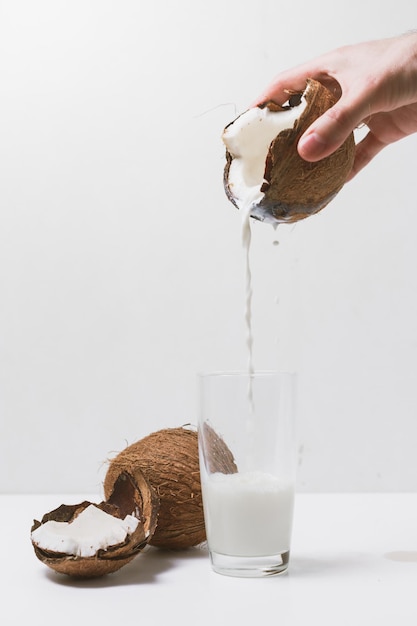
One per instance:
(353, 562)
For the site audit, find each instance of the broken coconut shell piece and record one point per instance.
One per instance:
(264, 173)
(169, 460)
(217, 455)
(89, 540)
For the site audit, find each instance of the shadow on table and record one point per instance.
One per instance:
(329, 563)
(144, 569)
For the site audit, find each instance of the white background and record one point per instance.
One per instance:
(121, 268)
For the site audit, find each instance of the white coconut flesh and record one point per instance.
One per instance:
(248, 139)
(92, 530)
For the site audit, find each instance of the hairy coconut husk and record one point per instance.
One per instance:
(131, 495)
(169, 460)
(295, 189)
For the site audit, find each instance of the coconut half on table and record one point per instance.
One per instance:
(264, 173)
(88, 540)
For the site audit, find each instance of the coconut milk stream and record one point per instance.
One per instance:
(246, 240)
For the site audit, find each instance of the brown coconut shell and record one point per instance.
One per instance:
(169, 460)
(131, 495)
(217, 456)
(295, 189)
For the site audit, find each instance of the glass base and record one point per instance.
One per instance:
(250, 566)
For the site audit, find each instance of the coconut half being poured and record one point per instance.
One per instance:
(264, 172)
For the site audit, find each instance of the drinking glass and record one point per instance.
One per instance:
(247, 454)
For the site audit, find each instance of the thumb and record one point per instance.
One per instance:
(330, 130)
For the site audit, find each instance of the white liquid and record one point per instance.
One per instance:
(246, 240)
(248, 139)
(248, 514)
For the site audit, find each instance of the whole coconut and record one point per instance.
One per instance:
(264, 173)
(169, 460)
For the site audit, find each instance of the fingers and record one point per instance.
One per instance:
(366, 150)
(291, 80)
(295, 79)
(330, 130)
(278, 91)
